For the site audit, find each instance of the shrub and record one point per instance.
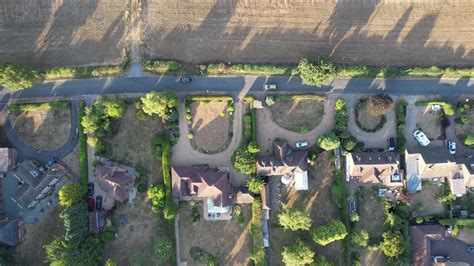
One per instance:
(270, 100)
(248, 133)
(360, 238)
(255, 184)
(354, 217)
(325, 234)
(460, 110)
(253, 113)
(247, 119)
(379, 104)
(157, 195)
(199, 255)
(15, 77)
(298, 254)
(294, 219)
(162, 248)
(349, 143)
(322, 261)
(462, 120)
(341, 115)
(189, 117)
(392, 244)
(469, 140)
(253, 147)
(70, 193)
(222, 114)
(329, 141)
(141, 115)
(419, 220)
(244, 161)
(317, 72)
(303, 129)
(190, 135)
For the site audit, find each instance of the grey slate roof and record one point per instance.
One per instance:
(283, 161)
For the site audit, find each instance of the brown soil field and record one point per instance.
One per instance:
(380, 33)
(48, 33)
(43, 129)
(31, 251)
(211, 131)
(295, 114)
(318, 202)
(225, 240)
(132, 143)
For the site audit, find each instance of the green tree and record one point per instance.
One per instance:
(76, 222)
(270, 100)
(63, 252)
(379, 104)
(163, 248)
(255, 184)
(354, 217)
(159, 104)
(322, 261)
(329, 141)
(157, 196)
(244, 161)
(253, 147)
(325, 234)
(15, 77)
(92, 141)
(317, 72)
(294, 219)
(113, 108)
(298, 254)
(392, 243)
(349, 143)
(110, 262)
(90, 122)
(70, 193)
(360, 238)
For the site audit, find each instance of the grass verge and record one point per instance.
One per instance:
(38, 106)
(161, 66)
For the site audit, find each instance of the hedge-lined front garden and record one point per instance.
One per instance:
(400, 119)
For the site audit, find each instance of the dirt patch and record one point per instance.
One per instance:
(365, 119)
(31, 251)
(225, 240)
(318, 202)
(378, 33)
(296, 115)
(134, 242)
(424, 202)
(372, 257)
(211, 126)
(429, 122)
(48, 34)
(466, 235)
(43, 129)
(132, 143)
(72, 160)
(371, 212)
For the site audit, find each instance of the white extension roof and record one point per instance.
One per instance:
(301, 181)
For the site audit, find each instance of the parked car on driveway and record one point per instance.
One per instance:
(90, 204)
(90, 189)
(301, 144)
(352, 206)
(452, 147)
(270, 86)
(98, 203)
(51, 162)
(470, 249)
(439, 259)
(391, 144)
(185, 79)
(421, 138)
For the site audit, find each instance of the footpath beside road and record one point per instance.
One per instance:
(237, 85)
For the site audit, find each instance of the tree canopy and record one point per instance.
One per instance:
(255, 184)
(294, 219)
(244, 161)
(392, 243)
(379, 104)
(298, 254)
(325, 234)
(76, 222)
(329, 141)
(157, 196)
(360, 238)
(163, 248)
(317, 72)
(14, 77)
(70, 193)
(159, 104)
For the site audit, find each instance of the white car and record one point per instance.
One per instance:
(421, 138)
(301, 144)
(452, 147)
(270, 87)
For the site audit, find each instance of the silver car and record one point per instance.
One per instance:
(452, 147)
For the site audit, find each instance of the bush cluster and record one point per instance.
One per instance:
(325, 234)
(15, 77)
(161, 66)
(38, 106)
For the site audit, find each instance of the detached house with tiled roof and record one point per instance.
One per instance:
(374, 168)
(202, 183)
(115, 181)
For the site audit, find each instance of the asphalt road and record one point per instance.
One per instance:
(119, 85)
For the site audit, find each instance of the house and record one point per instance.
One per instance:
(435, 162)
(115, 181)
(97, 222)
(200, 182)
(433, 240)
(285, 162)
(34, 184)
(242, 195)
(11, 232)
(7, 159)
(375, 168)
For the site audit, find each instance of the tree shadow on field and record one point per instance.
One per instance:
(363, 32)
(51, 34)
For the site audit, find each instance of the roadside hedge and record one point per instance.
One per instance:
(83, 162)
(400, 118)
(302, 97)
(447, 107)
(82, 72)
(253, 112)
(38, 106)
(209, 98)
(161, 66)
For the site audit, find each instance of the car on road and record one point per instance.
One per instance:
(439, 259)
(90, 189)
(391, 144)
(421, 138)
(270, 86)
(90, 204)
(452, 147)
(470, 249)
(98, 203)
(185, 79)
(301, 144)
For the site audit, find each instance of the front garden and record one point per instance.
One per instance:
(465, 121)
(370, 112)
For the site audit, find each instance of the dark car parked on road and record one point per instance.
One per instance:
(90, 189)
(185, 79)
(98, 203)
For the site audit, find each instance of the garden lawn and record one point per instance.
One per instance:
(225, 240)
(425, 203)
(297, 114)
(430, 122)
(132, 143)
(211, 130)
(467, 129)
(42, 129)
(319, 203)
(366, 119)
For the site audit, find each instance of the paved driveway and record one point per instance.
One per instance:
(454, 248)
